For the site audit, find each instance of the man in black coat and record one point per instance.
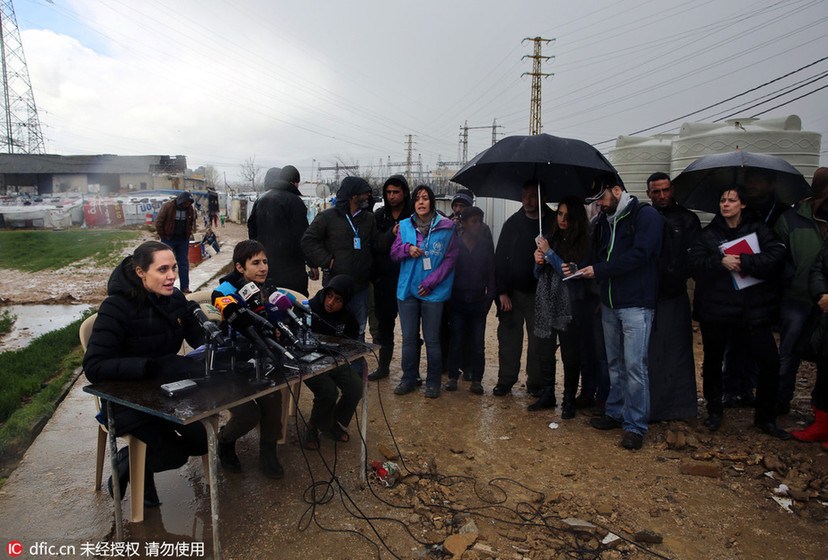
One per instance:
(278, 221)
(342, 240)
(672, 370)
(397, 206)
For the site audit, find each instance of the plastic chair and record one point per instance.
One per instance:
(137, 448)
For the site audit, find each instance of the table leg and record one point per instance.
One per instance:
(113, 461)
(363, 426)
(214, 498)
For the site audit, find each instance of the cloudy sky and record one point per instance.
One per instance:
(324, 81)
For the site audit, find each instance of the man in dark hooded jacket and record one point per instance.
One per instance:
(397, 198)
(342, 240)
(175, 224)
(278, 221)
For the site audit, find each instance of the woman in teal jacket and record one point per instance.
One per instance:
(426, 249)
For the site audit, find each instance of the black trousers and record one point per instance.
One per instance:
(759, 340)
(385, 310)
(169, 445)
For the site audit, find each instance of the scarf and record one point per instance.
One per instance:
(553, 310)
(423, 226)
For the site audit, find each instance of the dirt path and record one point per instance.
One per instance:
(486, 459)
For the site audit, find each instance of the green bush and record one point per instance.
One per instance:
(6, 321)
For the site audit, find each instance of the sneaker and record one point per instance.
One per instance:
(632, 440)
(451, 385)
(476, 388)
(605, 423)
(404, 388)
(432, 392)
(501, 390)
(377, 374)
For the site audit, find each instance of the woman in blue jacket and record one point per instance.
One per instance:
(426, 249)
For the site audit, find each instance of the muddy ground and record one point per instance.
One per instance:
(507, 478)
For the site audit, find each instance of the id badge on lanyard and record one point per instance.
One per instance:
(426, 258)
(357, 240)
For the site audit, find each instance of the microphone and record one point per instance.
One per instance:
(210, 329)
(241, 318)
(281, 302)
(287, 332)
(296, 303)
(252, 296)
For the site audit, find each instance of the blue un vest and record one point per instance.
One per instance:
(411, 270)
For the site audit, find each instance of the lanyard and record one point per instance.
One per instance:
(356, 233)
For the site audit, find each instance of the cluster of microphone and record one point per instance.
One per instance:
(246, 312)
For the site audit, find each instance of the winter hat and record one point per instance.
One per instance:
(290, 174)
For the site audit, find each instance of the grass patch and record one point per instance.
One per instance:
(32, 251)
(24, 372)
(7, 319)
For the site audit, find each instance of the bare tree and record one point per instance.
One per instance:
(212, 177)
(250, 173)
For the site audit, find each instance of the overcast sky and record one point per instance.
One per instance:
(294, 82)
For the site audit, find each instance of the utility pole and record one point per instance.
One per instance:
(535, 103)
(464, 137)
(21, 127)
(495, 126)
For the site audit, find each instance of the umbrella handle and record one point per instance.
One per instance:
(540, 213)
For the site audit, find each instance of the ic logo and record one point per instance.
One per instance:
(14, 548)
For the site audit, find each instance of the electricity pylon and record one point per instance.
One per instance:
(21, 132)
(535, 103)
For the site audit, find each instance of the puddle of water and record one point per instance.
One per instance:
(36, 320)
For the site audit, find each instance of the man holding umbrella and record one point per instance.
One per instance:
(515, 283)
(628, 241)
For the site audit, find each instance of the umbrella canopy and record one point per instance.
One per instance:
(563, 166)
(699, 185)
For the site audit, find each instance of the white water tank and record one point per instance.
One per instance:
(637, 157)
(781, 137)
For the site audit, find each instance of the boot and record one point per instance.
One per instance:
(227, 456)
(547, 396)
(269, 460)
(123, 472)
(568, 407)
(150, 493)
(818, 431)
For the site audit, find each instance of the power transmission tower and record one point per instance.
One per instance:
(464, 137)
(408, 162)
(535, 103)
(21, 133)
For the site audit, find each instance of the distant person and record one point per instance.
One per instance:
(627, 241)
(672, 365)
(278, 220)
(342, 240)
(209, 240)
(329, 414)
(213, 210)
(818, 430)
(472, 294)
(137, 335)
(396, 208)
(744, 316)
(803, 230)
(563, 313)
(250, 264)
(426, 249)
(516, 283)
(176, 224)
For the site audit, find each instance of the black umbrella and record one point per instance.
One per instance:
(699, 185)
(563, 166)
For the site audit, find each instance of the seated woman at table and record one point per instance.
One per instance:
(334, 319)
(250, 263)
(138, 331)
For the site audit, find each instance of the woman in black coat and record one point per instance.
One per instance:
(138, 331)
(724, 312)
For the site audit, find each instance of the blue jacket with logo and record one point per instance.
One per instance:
(441, 247)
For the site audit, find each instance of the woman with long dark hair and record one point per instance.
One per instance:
(745, 315)
(562, 315)
(137, 334)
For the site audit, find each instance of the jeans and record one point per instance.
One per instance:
(359, 307)
(792, 317)
(627, 341)
(468, 323)
(412, 310)
(181, 249)
(326, 387)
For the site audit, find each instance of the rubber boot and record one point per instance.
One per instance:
(122, 459)
(818, 431)
(547, 397)
(150, 493)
